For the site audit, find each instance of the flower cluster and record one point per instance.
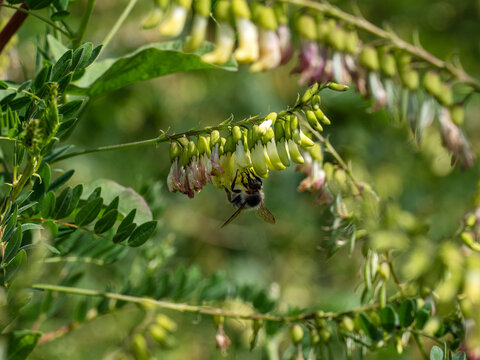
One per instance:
(329, 50)
(261, 145)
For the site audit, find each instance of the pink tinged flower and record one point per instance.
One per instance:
(270, 52)
(286, 48)
(215, 162)
(172, 178)
(174, 22)
(378, 91)
(197, 180)
(182, 183)
(224, 43)
(202, 169)
(248, 47)
(311, 63)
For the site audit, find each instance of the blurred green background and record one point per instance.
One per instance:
(286, 258)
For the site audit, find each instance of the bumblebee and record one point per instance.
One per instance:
(251, 197)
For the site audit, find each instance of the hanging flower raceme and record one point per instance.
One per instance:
(174, 21)
(266, 144)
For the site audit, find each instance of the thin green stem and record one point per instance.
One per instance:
(74, 259)
(32, 13)
(389, 36)
(25, 92)
(420, 345)
(197, 309)
(83, 24)
(394, 273)
(8, 139)
(118, 23)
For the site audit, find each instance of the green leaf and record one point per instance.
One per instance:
(38, 4)
(76, 194)
(93, 56)
(3, 85)
(66, 128)
(62, 65)
(70, 109)
(436, 353)
(82, 55)
(20, 102)
(124, 232)
(61, 180)
(146, 63)
(60, 15)
(368, 328)
(21, 344)
(389, 318)
(459, 356)
(63, 203)
(142, 233)
(16, 263)
(129, 198)
(106, 222)
(48, 205)
(80, 312)
(89, 212)
(41, 185)
(13, 245)
(113, 204)
(407, 312)
(31, 226)
(57, 48)
(42, 77)
(422, 318)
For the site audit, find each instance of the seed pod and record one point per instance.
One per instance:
(306, 27)
(369, 58)
(457, 113)
(296, 333)
(175, 150)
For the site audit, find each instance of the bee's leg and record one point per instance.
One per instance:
(252, 175)
(234, 182)
(229, 194)
(244, 182)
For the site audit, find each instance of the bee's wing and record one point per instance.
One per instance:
(265, 214)
(235, 214)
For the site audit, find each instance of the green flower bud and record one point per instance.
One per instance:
(214, 138)
(280, 10)
(296, 136)
(294, 124)
(153, 18)
(175, 150)
(369, 58)
(471, 220)
(347, 324)
(237, 134)
(316, 101)
(185, 157)
(229, 146)
(257, 133)
(324, 27)
(312, 120)
(162, 4)
(432, 83)
(283, 152)
(336, 38)
(306, 27)
(288, 132)
(311, 91)
(218, 320)
(185, 3)
(314, 337)
(337, 87)
(388, 64)
(468, 239)
(296, 333)
(325, 335)
(321, 117)
(316, 152)
(265, 17)
(166, 323)
(305, 141)
(223, 11)
(351, 42)
(457, 113)
(409, 78)
(259, 159)
(269, 135)
(250, 140)
(202, 7)
(139, 347)
(384, 271)
(398, 344)
(221, 148)
(158, 333)
(240, 9)
(275, 161)
(203, 145)
(279, 129)
(272, 116)
(294, 152)
(192, 149)
(183, 141)
(445, 96)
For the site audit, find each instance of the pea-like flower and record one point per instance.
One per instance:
(270, 51)
(174, 22)
(248, 47)
(224, 43)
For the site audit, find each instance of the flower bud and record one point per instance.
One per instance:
(369, 58)
(139, 347)
(280, 10)
(269, 135)
(351, 42)
(175, 150)
(294, 152)
(197, 34)
(347, 324)
(316, 152)
(259, 159)
(398, 344)
(214, 138)
(432, 83)
(384, 270)
(321, 117)
(279, 129)
(337, 87)
(286, 128)
(311, 91)
(324, 27)
(158, 333)
(409, 78)
(294, 124)
(237, 134)
(229, 146)
(174, 23)
(468, 239)
(314, 337)
(388, 64)
(325, 334)
(283, 152)
(471, 220)
(445, 96)
(305, 141)
(153, 18)
(166, 323)
(296, 333)
(272, 152)
(192, 149)
(316, 101)
(312, 120)
(457, 114)
(265, 17)
(336, 38)
(185, 157)
(306, 27)
(203, 145)
(240, 9)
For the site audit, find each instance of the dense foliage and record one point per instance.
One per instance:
(103, 256)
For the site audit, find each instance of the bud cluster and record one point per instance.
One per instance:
(258, 144)
(329, 50)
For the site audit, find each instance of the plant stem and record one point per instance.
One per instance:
(205, 310)
(74, 259)
(420, 345)
(83, 24)
(12, 26)
(32, 13)
(118, 23)
(394, 274)
(365, 25)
